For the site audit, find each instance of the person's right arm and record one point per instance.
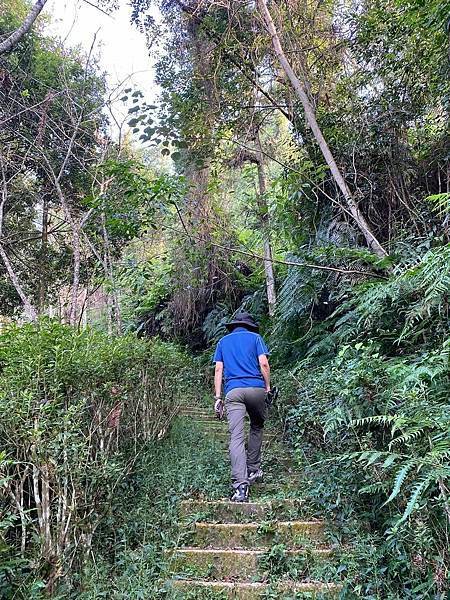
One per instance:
(265, 370)
(218, 375)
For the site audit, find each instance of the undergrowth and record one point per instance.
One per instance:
(366, 407)
(142, 527)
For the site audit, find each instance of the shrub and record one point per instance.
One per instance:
(77, 409)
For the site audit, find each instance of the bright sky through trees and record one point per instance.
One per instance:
(120, 47)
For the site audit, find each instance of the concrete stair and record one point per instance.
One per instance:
(249, 590)
(224, 511)
(226, 551)
(232, 563)
(248, 535)
(217, 429)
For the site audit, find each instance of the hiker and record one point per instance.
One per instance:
(242, 365)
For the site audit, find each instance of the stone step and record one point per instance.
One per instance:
(295, 534)
(224, 511)
(201, 416)
(223, 438)
(248, 590)
(211, 423)
(222, 429)
(233, 564)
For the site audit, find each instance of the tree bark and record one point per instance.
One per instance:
(17, 35)
(44, 252)
(30, 311)
(300, 90)
(265, 229)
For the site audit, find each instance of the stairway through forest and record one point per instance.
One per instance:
(267, 548)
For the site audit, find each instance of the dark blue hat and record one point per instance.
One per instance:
(243, 319)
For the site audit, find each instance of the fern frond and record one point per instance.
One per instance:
(418, 489)
(399, 480)
(441, 203)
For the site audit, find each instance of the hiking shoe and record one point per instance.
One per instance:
(240, 493)
(256, 477)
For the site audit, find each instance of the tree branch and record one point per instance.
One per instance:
(17, 35)
(301, 91)
(278, 261)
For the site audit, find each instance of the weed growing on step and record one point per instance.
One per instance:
(196, 594)
(275, 561)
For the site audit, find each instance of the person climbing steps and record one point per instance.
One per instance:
(242, 367)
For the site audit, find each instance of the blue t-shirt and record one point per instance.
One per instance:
(239, 352)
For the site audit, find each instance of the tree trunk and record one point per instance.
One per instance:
(75, 225)
(265, 229)
(109, 274)
(73, 314)
(17, 35)
(43, 258)
(197, 275)
(300, 90)
(30, 311)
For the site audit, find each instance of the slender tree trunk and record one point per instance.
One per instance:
(30, 311)
(265, 229)
(109, 273)
(301, 92)
(75, 225)
(17, 35)
(43, 258)
(76, 272)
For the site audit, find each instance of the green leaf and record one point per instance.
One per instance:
(401, 476)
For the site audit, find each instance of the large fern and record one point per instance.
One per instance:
(412, 303)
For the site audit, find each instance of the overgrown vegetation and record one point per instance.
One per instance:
(78, 410)
(370, 425)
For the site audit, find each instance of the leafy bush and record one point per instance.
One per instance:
(77, 409)
(368, 417)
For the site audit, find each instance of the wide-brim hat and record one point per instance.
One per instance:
(243, 319)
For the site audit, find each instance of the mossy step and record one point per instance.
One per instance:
(231, 512)
(201, 416)
(220, 432)
(233, 564)
(211, 423)
(255, 535)
(247, 590)
(223, 434)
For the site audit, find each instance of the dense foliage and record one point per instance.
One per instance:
(370, 423)
(78, 409)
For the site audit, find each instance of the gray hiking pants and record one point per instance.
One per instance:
(238, 402)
